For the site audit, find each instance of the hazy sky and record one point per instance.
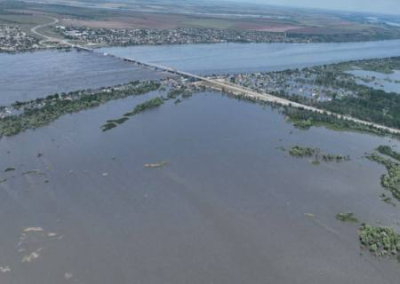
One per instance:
(380, 6)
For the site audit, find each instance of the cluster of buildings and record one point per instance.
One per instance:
(13, 39)
(124, 37)
(301, 83)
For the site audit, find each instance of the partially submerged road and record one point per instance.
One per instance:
(220, 85)
(238, 90)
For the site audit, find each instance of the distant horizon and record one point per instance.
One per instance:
(390, 7)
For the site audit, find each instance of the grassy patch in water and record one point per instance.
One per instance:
(118, 121)
(347, 217)
(387, 199)
(388, 151)
(297, 151)
(316, 154)
(150, 104)
(108, 126)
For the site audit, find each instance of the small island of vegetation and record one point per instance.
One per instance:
(316, 154)
(150, 104)
(347, 217)
(391, 180)
(382, 241)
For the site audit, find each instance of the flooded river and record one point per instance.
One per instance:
(239, 58)
(230, 206)
(26, 76)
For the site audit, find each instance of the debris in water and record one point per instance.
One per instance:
(3, 180)
(10, 169)
(68, 276)
(5, 269)
(33, 229)
(309, 214)
(156, 165)
(31, 257)
(105, 174)
(36, 172)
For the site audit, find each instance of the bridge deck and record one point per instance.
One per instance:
(243, 91)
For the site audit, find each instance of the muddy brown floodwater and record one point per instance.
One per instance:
(229, 206)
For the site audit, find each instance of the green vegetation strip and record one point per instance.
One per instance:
(305, 119)
(388, 151)
(150, 104)
(178, 94)
(381, 65)
(387, 199)
(41, 112)
(316, 154)
(391, 180)
(347, 217)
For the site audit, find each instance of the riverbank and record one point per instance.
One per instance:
(22, 116)
(332, 88)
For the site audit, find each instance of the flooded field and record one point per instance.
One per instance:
(242, 58)
(203, 191)
(387, 82)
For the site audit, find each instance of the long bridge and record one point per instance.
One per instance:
(217, 84)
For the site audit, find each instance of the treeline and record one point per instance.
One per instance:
(346, 37)
(316, 154)
(150, 104)
(367, 104)
(371, 105)
(304, 119)
(391, 180)
(177, 93)
(388, 151)
(41, 112)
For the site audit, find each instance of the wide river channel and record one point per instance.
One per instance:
(230, 206)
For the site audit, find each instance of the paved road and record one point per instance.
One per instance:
(242, 91)
(46, 38)
(217, 84)
(246, 92)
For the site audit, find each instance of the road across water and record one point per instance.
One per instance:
(220, 85)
